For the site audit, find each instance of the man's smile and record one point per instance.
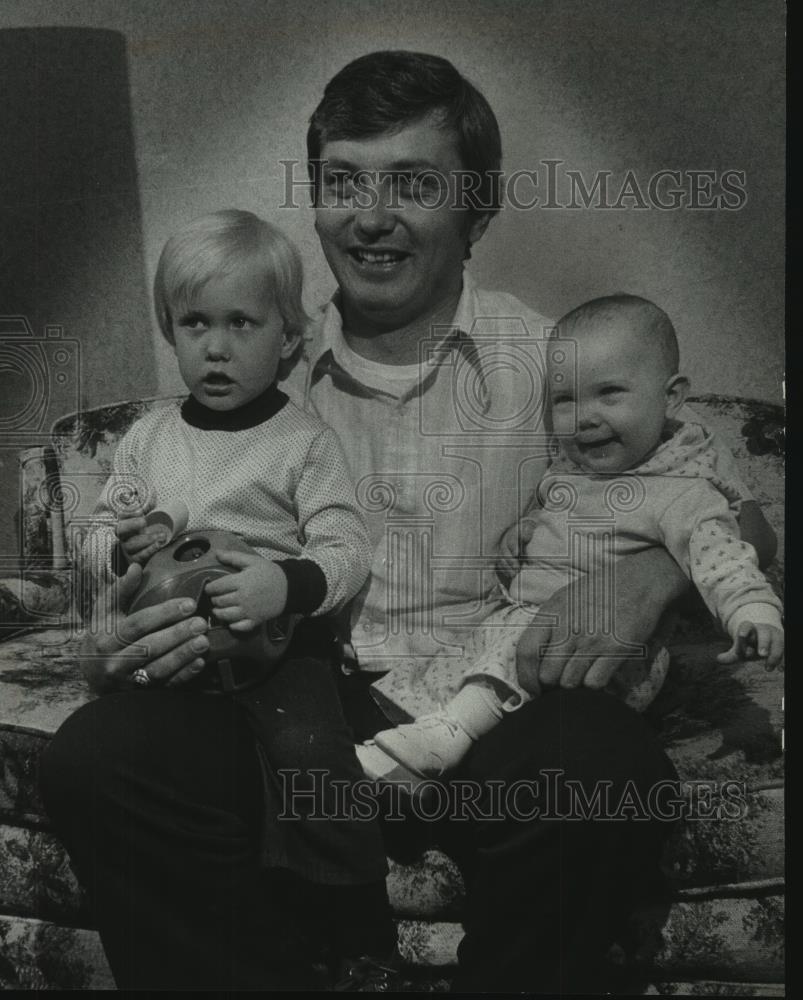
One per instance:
(377, 257)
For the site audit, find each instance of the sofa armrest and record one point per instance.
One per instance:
(33, 599)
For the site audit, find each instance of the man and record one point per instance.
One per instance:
(434, 388)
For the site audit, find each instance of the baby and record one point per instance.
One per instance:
(243, 458)
(628, 475)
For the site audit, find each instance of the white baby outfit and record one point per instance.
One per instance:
(586, 522)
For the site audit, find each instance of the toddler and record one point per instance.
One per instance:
(628, 475)
(243, 458)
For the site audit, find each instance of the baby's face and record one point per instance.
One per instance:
(609, 408)
(230, 339)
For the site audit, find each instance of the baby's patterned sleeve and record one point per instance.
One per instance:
(724, 469)
(331, 526)
(702, 534)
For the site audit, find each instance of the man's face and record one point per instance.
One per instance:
(610, 410)
(388, 224)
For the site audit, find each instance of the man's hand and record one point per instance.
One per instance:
(254, 595)
(597, 624)
(511, 548)
(755, 642)
(163, 639)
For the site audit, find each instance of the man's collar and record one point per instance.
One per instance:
(466, 311)
(327, 332)
(326, 345)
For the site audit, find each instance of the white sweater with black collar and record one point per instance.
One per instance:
(269, 471)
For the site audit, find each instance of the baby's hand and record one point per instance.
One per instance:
(254, 595)
(511, 549)
(751, 642)
(138, 539)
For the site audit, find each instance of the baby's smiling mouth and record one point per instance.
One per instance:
(594, 444)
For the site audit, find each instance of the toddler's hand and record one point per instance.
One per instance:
(751, 642)
(254, 595)
(139, 540)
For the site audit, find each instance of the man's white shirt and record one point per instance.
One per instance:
(446, 455)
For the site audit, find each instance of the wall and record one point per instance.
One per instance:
(220, 93)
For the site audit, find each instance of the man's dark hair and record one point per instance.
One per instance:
(384, 92)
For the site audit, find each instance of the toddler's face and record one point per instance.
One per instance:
(609, 409)
(230, 339)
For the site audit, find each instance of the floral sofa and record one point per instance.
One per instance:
(719, 928)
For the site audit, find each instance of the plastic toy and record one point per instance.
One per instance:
(235, 660)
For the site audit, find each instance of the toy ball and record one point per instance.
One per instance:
(182, 569)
